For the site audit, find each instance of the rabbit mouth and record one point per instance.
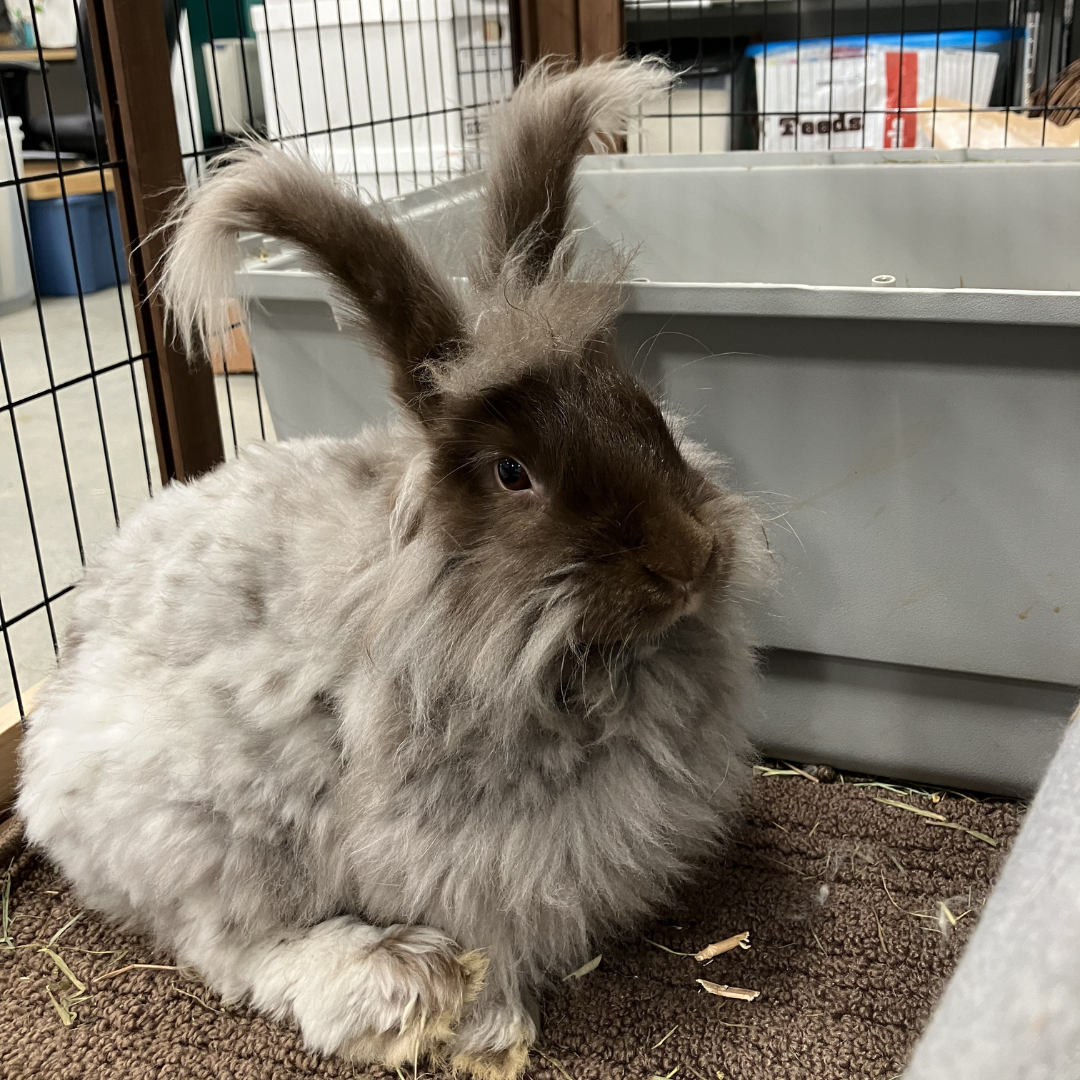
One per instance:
(689, 603)
(650, 623)
(683, 591)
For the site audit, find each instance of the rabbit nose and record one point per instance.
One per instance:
(681, 581)
(682, 576)
(682, 573)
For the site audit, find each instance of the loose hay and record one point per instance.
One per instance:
(590, 965)
(666, 1037)
(722, 990)
(971, 832)
(717, 948)
(911, 809)
(673, 952)
(138, 967)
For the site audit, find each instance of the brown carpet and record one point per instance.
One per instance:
(830, 883)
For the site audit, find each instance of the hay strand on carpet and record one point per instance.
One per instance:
(5, 916)
(913, 914)
(666, 1037)
(590, 965)
(138, 967)
(553, 1061)
(881, 934)
(204, 1004)
(59, 961)
(67, 1017)
(964, 829)
(674, 952)
(910, 809)
(802, 772)
(736, 941)
(899, 789)
(739, 993)
(56, 937)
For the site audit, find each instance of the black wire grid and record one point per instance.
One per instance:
(414, 118)
(722, 48)
(50, 512)
(432, 118)
(407, 115)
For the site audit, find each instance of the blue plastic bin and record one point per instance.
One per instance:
(90, 229)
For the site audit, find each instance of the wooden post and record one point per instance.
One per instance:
(131, 57)
(601, 28)
(579, 29)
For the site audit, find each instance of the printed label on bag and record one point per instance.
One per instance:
(817, 98)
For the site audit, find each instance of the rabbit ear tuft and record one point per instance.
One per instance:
(537, 138)
(382, 284)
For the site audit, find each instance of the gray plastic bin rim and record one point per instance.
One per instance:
(281, 278)
(764, 299)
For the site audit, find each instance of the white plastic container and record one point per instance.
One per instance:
(16, 284)
(388, 91)
(866, 92)
(57, 24)
(234, 84)
(688, 119)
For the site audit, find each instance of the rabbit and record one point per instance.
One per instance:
(383, 734)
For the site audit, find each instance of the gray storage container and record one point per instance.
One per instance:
(915, 447)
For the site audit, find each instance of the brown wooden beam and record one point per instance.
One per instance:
(581, 30)
(557, 28)
(524, 35)
(132, 62)
(601, 28)
(11, 733)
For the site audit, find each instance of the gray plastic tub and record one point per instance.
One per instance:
(916, 447)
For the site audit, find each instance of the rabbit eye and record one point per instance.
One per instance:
(512, 475)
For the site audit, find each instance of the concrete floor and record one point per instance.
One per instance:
(97, 423)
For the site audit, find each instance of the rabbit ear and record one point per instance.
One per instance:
(536, 141)
(381, 283)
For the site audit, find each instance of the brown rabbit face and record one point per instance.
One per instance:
(569, 476)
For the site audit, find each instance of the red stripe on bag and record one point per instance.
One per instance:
(901, 91)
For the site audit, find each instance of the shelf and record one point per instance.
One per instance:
(31, 56)
(81, 183)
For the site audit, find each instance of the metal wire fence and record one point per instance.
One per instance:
(859, 74)
(388, 94)
(77, 448)
(391, 94)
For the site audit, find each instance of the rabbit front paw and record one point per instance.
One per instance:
(386, 996)
(493, 1043)
(425, 984)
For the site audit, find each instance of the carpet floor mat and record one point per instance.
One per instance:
(857, 899)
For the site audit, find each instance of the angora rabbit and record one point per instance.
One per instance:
(380, 733)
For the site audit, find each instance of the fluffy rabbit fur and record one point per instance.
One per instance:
(380, 733)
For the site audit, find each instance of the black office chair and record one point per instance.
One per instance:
(13, 88)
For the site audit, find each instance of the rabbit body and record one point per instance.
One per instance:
(227, 750)
(354, 757)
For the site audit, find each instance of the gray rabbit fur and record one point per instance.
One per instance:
(382, 733)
